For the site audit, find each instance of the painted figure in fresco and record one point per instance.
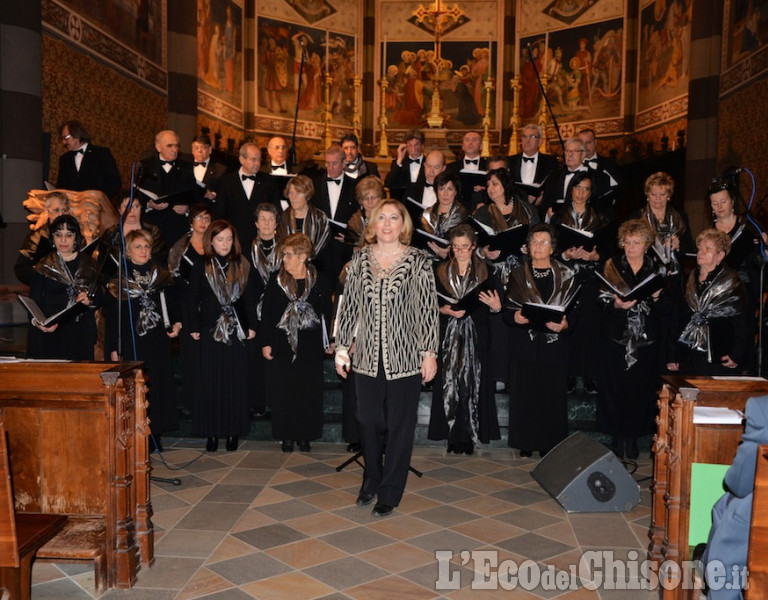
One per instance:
(673, 72)
(215, 55)
(301, 41)
(558, 77)
(573, 97)
(585, 68)
(203, 36)
(461, 84)
(312, 92)
(529, 88)
(275, 62)
(606, 65)
(229, 52)
(479, 70)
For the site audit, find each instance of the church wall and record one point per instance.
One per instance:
(104, 63)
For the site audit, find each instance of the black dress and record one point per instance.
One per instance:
(222, 309)
(296, 379)
(264, 261)
(181, 260)
(463, 392)
(583, 356)
(538, 380)
(54, 285)
(490, 216)
(153, 346)
(630, 358)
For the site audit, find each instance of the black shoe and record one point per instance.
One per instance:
(231, 443)
(364, 498)
(631, 448)
(304, 446)
(526, 453)
(212, 444)
(590, 387)
(452, 448)
(354, 448)
(571, 385)
(469, 448)
(382, 510)
(617, 445)
(287, 446)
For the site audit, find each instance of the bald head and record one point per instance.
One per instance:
(434, 165)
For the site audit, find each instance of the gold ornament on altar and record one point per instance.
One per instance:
(439, 20)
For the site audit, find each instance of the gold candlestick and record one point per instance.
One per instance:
(514, 121)
(383, 144)
(543, 113)
(357, 124)
(327, 115)
(488, 85)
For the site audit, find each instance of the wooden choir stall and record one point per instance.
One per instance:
(678, 443)
(77, 438)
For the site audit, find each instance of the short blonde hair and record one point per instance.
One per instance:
(638, 227)
(719, 238)
(301, 184)
(367, 185)
(660, 179)
(136, 234)
(405, 235)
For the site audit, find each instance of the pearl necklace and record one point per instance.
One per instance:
(541, 273)
(383, 254)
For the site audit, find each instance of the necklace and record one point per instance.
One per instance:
(383, 254)
(541, 273)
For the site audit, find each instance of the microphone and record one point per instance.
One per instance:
(733, 171)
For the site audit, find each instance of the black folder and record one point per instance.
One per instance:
(188, 197)
(508, 241)
(71, 311)
(648, 286)
(570, 237)
(470, 301)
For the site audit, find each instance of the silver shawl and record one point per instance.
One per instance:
(299, 314)
(227, 291)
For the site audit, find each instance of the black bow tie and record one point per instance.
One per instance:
(529, 158)
(588, 163)
(414, 160)
(572, 172)
(276, 167)
(336, 181)
(166, 162)
(81, 151)
(199, 164)
(251, 177)
(426, 185)
(472, 161)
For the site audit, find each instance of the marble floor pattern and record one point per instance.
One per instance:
(260, 523)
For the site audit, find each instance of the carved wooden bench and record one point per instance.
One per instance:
(20, 534)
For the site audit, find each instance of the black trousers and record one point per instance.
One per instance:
(386, 409)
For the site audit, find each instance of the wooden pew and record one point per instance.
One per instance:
(757, 559)
(20, 535)
(78, 447)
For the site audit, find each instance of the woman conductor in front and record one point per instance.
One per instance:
(390, 313)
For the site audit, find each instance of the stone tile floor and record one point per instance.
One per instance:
(260, 523)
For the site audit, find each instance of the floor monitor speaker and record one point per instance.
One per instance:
(585, 476)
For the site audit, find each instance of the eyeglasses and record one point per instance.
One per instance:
(532, 136)
(574, 151)
(66, 137)
(289, 254)
(461, 247)
(58, 211)
(203, 218)
(540, 243)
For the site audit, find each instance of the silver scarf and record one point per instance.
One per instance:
(633, 336)
(718, 300)
(461, 362)
(55, 267)
(227, 293)
(299, 314)
(141, 287)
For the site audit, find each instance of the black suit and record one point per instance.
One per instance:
(154, 179)
(469, 197)
(336, 254)
(213, 173)
(608, 169)
(399, 177)
(233, 205)
(98, 171)
(545, 165)
(370, 169)
(554, 190)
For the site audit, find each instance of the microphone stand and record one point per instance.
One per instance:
(544, 94)
(292, 151)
